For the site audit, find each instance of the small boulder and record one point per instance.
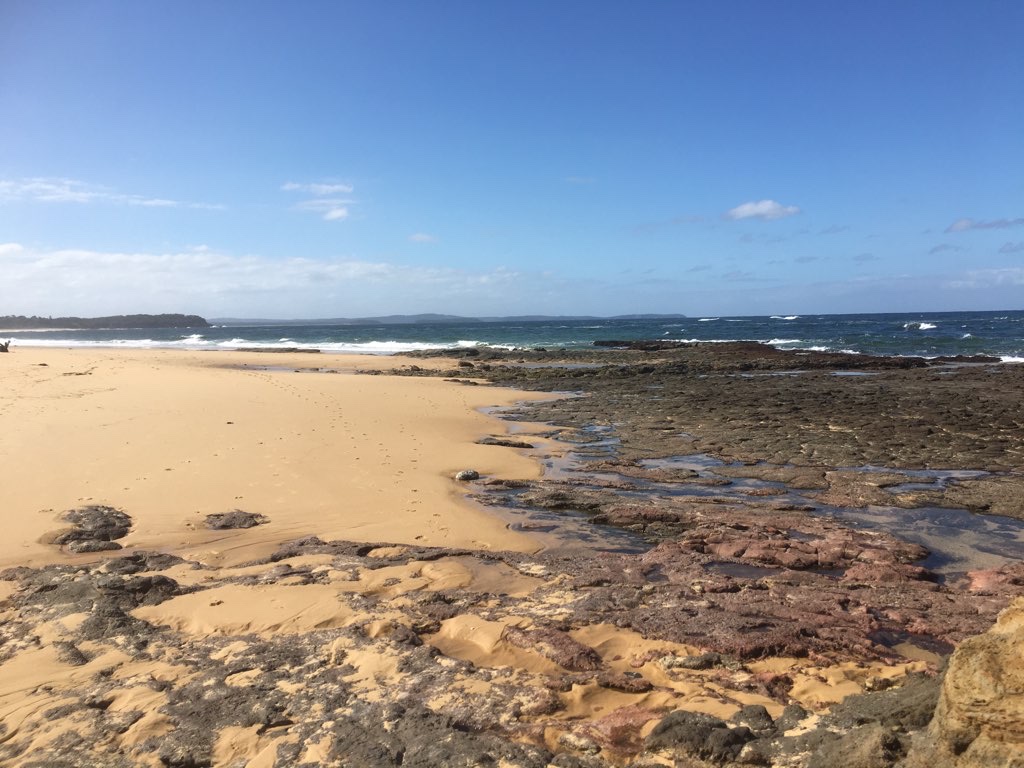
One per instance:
(699, 735)
(94, 529)
(235, 519)
(791, 717)
(92, 545)
(756, 718)
(702, 661)
(467, 475)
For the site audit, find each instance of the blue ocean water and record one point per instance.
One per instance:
(928, 334)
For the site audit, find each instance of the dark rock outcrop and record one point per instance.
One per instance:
(695, 734)
(505, 442)
(94, 529)
(235, 519)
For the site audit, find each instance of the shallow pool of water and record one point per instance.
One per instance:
(958, 540)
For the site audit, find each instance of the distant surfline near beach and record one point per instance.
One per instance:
(997, 334)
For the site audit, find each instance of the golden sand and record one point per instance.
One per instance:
(170, 437)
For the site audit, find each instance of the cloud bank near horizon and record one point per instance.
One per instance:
(212, 283)
(205, 281)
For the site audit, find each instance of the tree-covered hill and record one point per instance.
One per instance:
(20, 322)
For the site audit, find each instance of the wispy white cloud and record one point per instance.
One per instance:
(318, 189)
(62, 190)
(1012, 248)
(739, 275)
(964, 225)
(422, 237)
(331, 208)
(767, 210)
(944, 248)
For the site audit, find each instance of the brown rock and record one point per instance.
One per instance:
(627, 683)
(888, 573)
(622, 729)
(555, 645)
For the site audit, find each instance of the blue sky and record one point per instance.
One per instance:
(323, 159)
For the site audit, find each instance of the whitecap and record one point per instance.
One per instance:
(706, 319)
(703, 341)
(469, 343)
(784, 317)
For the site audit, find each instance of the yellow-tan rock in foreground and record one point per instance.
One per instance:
(979, 721)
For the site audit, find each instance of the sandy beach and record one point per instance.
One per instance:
(170, 437)
(373, 614)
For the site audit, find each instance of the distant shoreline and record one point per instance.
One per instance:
(105, 323)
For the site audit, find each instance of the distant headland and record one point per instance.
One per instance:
(113, 322)
(434, 319)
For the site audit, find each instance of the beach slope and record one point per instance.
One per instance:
(170, 437)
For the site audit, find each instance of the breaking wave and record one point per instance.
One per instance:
(197, 342)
